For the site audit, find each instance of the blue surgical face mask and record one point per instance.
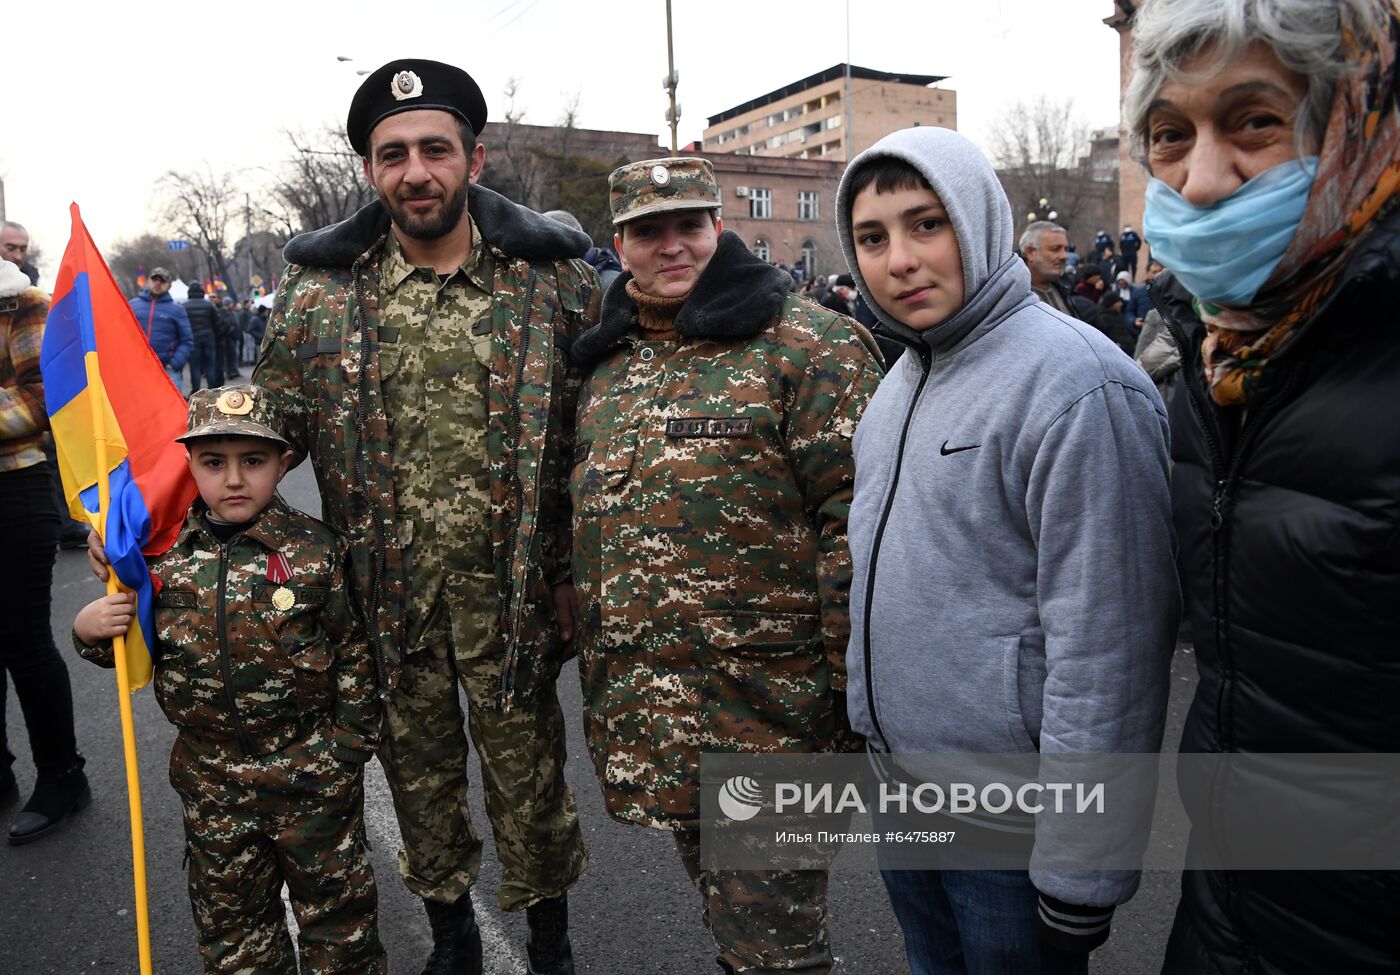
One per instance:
(1225, 252)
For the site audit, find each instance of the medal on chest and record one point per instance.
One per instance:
(279, 571)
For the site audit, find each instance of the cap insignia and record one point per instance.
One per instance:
(234, 403)
(406, 84)
(660, 175)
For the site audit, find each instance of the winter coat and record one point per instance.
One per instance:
(1111, 322)
(1289, 526)
(167, 328)
(23, 419)
(204, 318)
(325, 327)
(1129, 243)
(726, 454)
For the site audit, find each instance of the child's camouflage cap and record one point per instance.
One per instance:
(244, 410)
(657, 185)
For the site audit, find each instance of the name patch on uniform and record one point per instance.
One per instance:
(581, 452)
(710, 426)
(176, 599)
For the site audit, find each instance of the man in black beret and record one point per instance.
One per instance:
(418, 350)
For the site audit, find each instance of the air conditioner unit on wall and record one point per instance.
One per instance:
(741, 191)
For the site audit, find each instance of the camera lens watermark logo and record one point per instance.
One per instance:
(740, 798)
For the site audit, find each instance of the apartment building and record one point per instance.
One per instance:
(812, 119)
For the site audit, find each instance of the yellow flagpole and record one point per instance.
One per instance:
(133, 777)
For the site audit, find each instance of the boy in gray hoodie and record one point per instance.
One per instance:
(1014, 588)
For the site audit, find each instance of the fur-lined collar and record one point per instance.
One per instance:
(12, 280)
(736, 297)
(512, 229)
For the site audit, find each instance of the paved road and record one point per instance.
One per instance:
(66, 903)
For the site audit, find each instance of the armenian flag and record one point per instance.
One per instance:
(115, 415)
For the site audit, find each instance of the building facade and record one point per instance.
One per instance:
(813, 119)
(1132, 175)
(782, 208)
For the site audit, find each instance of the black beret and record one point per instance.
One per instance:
(409, 84)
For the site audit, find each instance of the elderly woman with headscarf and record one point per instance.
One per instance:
(1271, 131)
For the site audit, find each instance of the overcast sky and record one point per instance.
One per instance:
(103, 99)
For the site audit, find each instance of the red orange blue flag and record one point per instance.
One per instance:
(115, 415)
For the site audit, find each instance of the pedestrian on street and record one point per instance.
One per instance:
(1013, 589)
(14, 247)
(1281, 238)
(262, 665)
(1044, 247)
(1128, 245)
(442, 453)
(165, 323)
(714, 430)
(29, 526)
(206, 370)
(841, 297)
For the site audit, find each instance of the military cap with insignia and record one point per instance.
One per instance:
(658, 185)
(407, 85)
(244, 410)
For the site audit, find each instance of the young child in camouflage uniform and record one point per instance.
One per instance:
(264, 669)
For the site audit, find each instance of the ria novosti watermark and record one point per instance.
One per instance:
(1089, 812)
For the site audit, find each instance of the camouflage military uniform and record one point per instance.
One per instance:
(277, 711)
(710, 488)
(435, 415)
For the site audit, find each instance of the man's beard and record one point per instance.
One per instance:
(434, 224)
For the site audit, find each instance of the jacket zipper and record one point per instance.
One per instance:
(513, 643)
(378, 556)
(1227, 478)
(225, 664)
(926, 361)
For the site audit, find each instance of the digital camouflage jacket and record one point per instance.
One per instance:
(239, 663)
(321, 357)
(711, 482)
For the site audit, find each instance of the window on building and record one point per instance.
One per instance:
(833, 122)
(807, 205)
(761, 203)
(809, 259)
(760, 249)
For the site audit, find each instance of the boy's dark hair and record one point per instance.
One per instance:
(888, 175)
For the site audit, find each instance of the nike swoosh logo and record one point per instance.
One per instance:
(945, 451)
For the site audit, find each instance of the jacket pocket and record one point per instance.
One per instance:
(177, 619)
(767, 682)
(1023, 690)
(311, 657)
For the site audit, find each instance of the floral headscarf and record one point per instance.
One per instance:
(1357, 182)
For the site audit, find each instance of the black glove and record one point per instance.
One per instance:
(1072, 927)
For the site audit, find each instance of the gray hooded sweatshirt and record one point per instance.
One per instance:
(1014, 584)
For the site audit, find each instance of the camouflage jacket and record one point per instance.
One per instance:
(232, 666)
(321, 357)
(711, 482)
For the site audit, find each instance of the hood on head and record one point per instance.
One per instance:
(977, 207)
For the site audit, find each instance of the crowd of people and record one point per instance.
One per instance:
(953, 503)
(204, 338)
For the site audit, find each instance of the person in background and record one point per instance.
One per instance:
(841, 297)
(205, 369)
(1129, 243)
(29, 524)
(165, 323)
(1111, 321)
(1272, 135)
(1091, 284)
